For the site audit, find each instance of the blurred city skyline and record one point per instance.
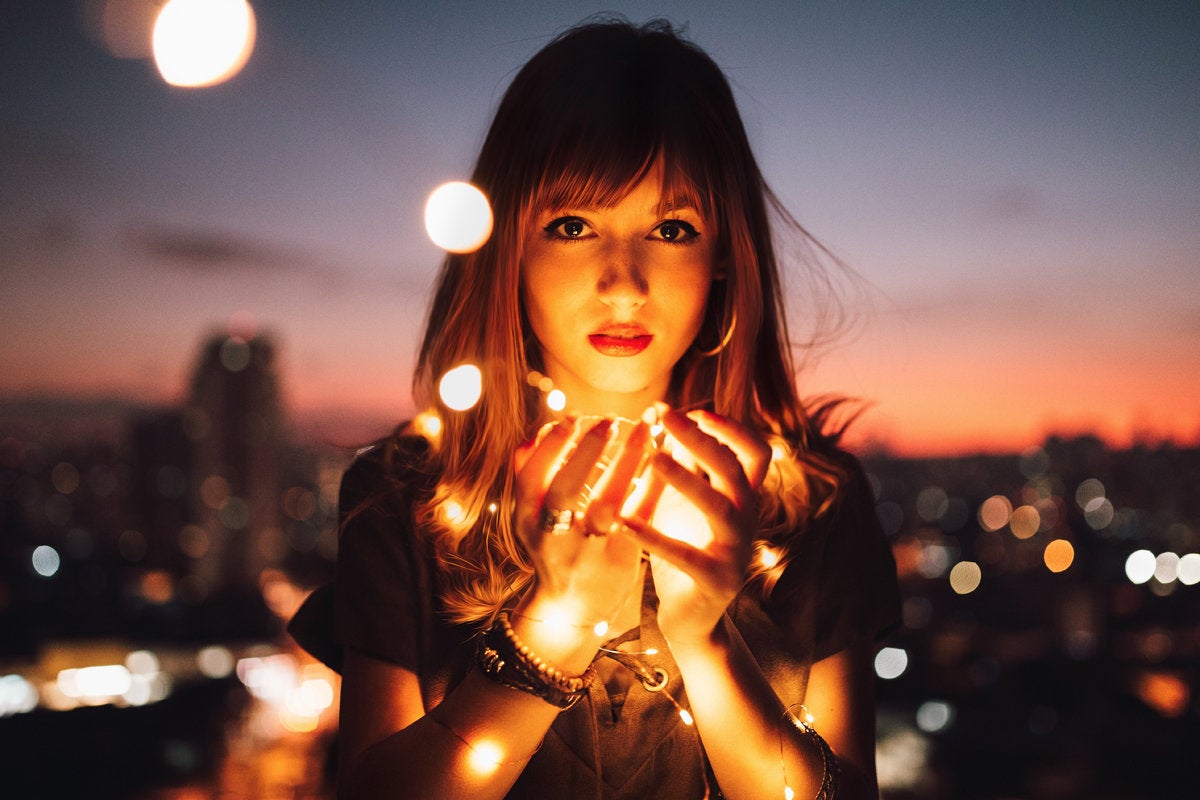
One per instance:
(1016, 185)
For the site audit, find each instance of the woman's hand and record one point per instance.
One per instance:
(583, 575)
(699, 529)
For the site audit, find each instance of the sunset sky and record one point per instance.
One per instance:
(1017, 186)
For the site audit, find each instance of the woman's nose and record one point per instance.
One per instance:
(622, 282)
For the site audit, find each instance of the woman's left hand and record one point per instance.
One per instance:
(699, 530)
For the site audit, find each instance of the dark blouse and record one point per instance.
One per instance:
(839, 589)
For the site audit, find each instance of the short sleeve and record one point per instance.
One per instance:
(382, 591)
(858, 597)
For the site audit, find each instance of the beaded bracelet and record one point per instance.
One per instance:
(503, 657)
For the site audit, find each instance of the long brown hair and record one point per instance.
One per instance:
(581, 124)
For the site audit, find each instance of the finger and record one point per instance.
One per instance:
(692, 560)
(715, 506)
(713, 456)
(541, 459)
(753, 453)
(567, 485)
(613, 484)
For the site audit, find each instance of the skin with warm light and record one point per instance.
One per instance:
(614, 294)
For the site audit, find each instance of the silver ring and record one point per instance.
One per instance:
(556, 520)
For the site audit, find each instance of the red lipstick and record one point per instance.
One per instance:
(620, 340)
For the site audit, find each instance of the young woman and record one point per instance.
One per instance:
(611, 602)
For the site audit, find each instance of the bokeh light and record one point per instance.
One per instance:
(45, 561)
(965, 577)
(202, 42)
(556, 400)
(458, 217)
(934, 716)
(1189, 569)
(891, 662)
(1058, 555)
(1025, 521)
(1139, 567)
(461, 387)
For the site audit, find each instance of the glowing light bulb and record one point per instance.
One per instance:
(485, 757)
(428, 424)
(556, 400)
(461, 387)
(768, 556)
(601, 628)
(202, 42)
(458, 217)
(788, 794)
(686, 716)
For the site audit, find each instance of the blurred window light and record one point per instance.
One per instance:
(965, 577)
(1166, 567)
(891, 662)
(932, 503)
(17, 695)
(1189, 569)
(202, 42)
(901, 759)
(994, 512)
(934, 559)
(1139, 566)
(1058, 555)
(934, 716)
(1089, 490)
(1098, 513)
(65, 477)
(1025, 521)
(215, 662)
(45, 561)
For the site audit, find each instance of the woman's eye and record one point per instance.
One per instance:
(567, 228)
(676, 231)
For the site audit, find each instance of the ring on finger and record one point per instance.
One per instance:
(556, 520)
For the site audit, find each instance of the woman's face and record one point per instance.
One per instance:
(616, 295)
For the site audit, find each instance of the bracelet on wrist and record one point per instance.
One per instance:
(503, 657)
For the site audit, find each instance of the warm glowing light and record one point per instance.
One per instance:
(429, 425)
(788, 794)
(17, 695)
(1139, 566)
(891, 662)
(556, 400)
(601, 628)
(965, 577)
(1058, 555)
(485, 757)
(454, 513)
(994, 513)
(1166, 693)
(686, 716)
(458, 217)
(558, 621)
(94, 684)
(768, 556)
(1025, 521)
(461, 387)
(202, 42)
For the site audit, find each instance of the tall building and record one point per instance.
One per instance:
(234, 421)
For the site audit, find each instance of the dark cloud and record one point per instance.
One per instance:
(217, 251)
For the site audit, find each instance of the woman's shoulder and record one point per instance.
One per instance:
(395, 468)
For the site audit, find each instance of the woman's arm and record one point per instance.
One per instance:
(748, 736)
(473, 744)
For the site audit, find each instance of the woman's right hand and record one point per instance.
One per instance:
(584, 575)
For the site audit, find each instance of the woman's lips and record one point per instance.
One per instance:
(620, 340)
